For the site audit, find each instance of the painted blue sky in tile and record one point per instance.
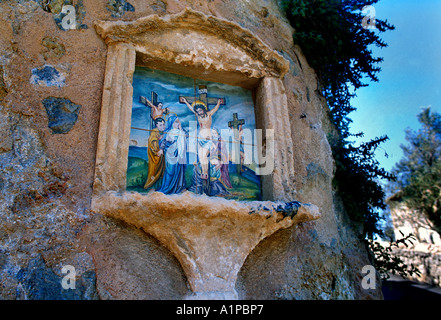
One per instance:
(170, 86)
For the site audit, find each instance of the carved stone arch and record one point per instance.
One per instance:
(199, 45)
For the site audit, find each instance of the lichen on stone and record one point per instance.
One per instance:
(62, 114)
(3, 89)
(47, 76)
(290, 209)
(119, 7)
(54, 48)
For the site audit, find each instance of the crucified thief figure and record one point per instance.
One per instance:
(204, 138)
(156, 111)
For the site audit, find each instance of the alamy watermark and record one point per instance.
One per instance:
(68, 281)
(369, 20)
(69, 21)
(369, 281)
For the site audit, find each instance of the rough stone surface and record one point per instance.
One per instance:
(46, 180)
(38, 282)
(37, 232)
(3, 91)
(62, 114)
(53, 48)
(131, 264)
(67, 14)
(119, 7)
(425, 250)
(47, 76)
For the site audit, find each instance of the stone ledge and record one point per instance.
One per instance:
(211, 237)
(190, 203)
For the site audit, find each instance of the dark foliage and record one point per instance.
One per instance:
(337, 45)
(332, 36)
(386, 262)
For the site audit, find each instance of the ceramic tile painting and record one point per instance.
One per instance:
(187, 134)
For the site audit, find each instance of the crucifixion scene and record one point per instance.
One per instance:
(187, 135)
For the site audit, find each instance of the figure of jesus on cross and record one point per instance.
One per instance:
(200, 108)
(204, 138)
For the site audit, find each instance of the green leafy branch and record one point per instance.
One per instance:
(387, 262)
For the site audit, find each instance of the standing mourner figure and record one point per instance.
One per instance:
(155, 154)
(174, 143)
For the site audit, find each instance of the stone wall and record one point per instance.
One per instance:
(425, 250)
(428, 263)
(51, 83)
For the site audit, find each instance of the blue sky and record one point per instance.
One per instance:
(410, 78)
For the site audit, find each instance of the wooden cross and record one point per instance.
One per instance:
(203, 92)
(235, 124)
(154, 102)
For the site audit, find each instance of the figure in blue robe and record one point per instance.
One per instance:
(219, 179)
(174, 143)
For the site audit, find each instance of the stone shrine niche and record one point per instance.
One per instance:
(168, 78)
(170, 152)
